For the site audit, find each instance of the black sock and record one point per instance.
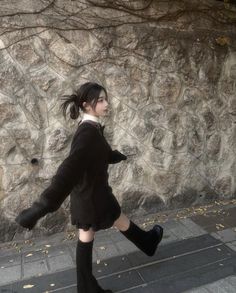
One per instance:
(86, 282)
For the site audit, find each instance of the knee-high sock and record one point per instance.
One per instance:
(145, 241)
(86, 282)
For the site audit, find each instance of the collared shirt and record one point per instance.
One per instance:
(95, 119)
(87, 116)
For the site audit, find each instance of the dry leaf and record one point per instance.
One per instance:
(28, 286)
(30, 254)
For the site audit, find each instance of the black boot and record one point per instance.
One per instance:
(86, 282)
(145, 241)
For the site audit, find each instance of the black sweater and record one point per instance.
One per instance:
(83, 174)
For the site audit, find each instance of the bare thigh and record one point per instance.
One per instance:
(86, 236)
(122, 223)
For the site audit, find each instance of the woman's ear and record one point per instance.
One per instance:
(85, 105)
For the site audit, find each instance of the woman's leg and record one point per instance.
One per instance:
(122, 223)
(86, 236)
(147, 241)
(86, 282)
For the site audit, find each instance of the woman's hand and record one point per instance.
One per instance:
(28, 218)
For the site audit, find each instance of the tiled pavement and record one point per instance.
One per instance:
(197, 254)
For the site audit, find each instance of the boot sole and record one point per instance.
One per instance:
(159, 230)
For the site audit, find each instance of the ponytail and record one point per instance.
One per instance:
(74, 106)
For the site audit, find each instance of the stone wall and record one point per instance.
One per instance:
(170, 71)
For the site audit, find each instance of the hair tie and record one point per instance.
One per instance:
(73, 97)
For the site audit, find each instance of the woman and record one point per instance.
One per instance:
(83, 175)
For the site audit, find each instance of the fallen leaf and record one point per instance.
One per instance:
(28, 286)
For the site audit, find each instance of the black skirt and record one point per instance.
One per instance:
(105, 219)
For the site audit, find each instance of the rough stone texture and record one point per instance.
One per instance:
(170, 71)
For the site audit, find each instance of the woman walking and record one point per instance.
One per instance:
(83, 175)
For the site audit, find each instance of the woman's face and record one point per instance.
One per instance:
(101, 108)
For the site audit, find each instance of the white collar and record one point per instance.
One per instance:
(87, 116)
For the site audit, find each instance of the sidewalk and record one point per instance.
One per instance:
(197, 254)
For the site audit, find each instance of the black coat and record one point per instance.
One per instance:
(83, 175)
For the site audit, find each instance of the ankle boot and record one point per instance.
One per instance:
(86, 282)
(145, 241)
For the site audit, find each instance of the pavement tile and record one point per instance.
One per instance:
(57, 250)
(208, 222)
(222, 286)
(196, 229)
(35, 268)
(144, 288)
(117, 236)
(226, 235)
(232, 280)
(197, 277)
(168, 237)
(100, 240)
(232, 245)
(10, 260)
(111, 266)
(10, 274)
(170, 267)
(33, 255)
(178, 229)
(121, 281)
(7, 289)
(197, 290)
(44, 283)
(107, 251)
(59, 262)
(70, 289)
(126, 247)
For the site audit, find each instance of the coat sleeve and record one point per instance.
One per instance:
(70, 171)
(67, 176)
(115, 157)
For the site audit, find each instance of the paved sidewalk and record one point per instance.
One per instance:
(197, 254)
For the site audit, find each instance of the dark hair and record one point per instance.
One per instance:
(88, 92)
